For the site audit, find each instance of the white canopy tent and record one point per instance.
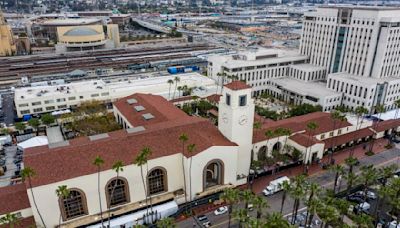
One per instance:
(389, 115)
(32, 142)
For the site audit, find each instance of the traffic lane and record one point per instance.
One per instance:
(8, 108)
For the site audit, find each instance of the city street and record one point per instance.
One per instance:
(323, 178)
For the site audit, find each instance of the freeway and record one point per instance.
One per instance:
(324, 179)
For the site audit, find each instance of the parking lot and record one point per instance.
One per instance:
(12, 161)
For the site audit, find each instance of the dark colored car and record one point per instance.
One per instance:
(355, 198)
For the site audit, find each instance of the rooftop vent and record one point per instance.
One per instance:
(139, 108)
(148, 116)
(135, 129)
(97, 137)
(131, 101)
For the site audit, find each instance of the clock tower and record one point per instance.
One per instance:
(235, 121)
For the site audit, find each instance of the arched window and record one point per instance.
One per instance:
(213, 174)
(157, 181)
(277, 147)
(117, 191)
(73, 206)
(262, 153)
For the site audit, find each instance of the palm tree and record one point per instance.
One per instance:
(286, 132)
(351, 178)
(368, 177)
(379, 109)
(312, 206)
(313, 190)
(98, 162)
(286, 187)
(311, 126)
(338, 170)
(170, 82)
(255, 223)
(335, 115)
(256, 126)
(268, 134)
(183, 138)
(297, 193)
(351, 162)
(140, 161)
(179, 88)
(246, 196)
(276, 220)
(230, 196)
(118, 167)
(176, 80)
(27, 174)
(10, 219)
(167, 222)
(363, 221)
(328, 214)
(241, 216)
(387, 172)
(62, 192)
(360, 112)
(190, 148)
(259, 203)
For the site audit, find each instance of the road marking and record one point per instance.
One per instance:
(301, 209)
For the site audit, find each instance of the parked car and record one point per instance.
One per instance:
(370, 194)
(204, 220)
(362, 207)
(393, 224)
(355, 198)
(221, 210)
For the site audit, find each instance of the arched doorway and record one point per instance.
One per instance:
(277, 147)
(262, 153)
(213, 174)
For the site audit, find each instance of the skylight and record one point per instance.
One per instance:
(148, 116)
(139, 108)
(131, 101)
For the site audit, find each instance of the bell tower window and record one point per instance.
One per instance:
(243, 100)
(228, 99)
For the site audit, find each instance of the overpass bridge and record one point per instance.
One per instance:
(152, 25)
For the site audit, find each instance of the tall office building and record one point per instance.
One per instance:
(362, 41)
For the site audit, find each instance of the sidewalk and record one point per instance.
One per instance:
(340, 156)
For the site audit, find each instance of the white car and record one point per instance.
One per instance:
(221, 210)
(394, 224)
(370, 195)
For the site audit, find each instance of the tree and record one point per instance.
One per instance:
(47, 119)
(241, 216)
(311, 126)
(170, 82)
(176, 80)
(62, 192)
(351, 178)
(336, 116)
(183, 138)
(378, 109)
(351, 162)
(368, 177)
(20, 126)
(360, 112)
(190, 149)
(286, 187)
(297, 192)
(98, 162)
(230, 196)
(167, 222)
(276, 220)
(246, 196)
(5, 131)
(27, 174)
(118, 167)
(140, 161)
(286, 132)
(386, 172)
(338, 170)
(328, 214)
(363, 221)
(34, 123)
(10, 219)
(313, 190)
(259, 203)
(397, 103)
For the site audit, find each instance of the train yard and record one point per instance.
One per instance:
(13, 68)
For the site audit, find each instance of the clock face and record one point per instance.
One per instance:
(225, 118)
(243, 120)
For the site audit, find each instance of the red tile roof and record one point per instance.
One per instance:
(304, 139)
(22, 223)
(385, 125)
(57, 164)
(345, 138)
(237, 85)
(185, 98)
(159, 107)
(13, 198)
(299, 123)
(214, 98)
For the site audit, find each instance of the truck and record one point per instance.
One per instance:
(275, 185)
